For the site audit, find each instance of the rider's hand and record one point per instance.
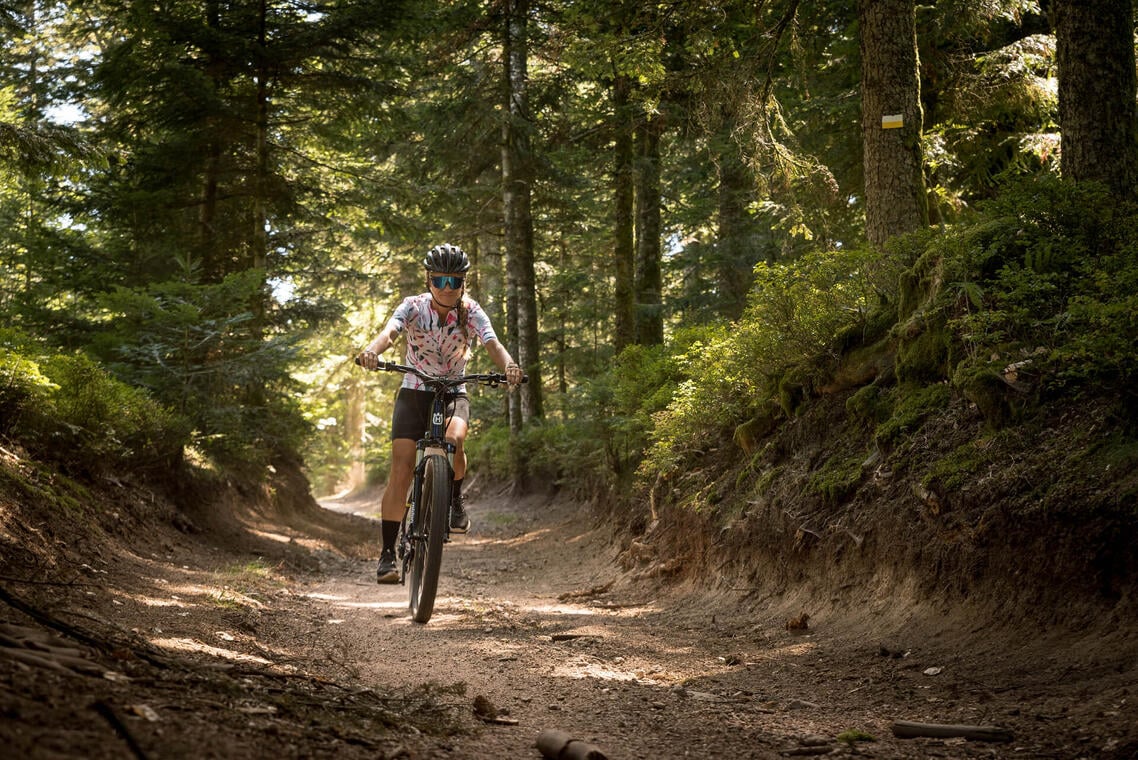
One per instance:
(514, 374)
(368, 359)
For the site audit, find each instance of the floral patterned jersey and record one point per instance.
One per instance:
(435, 346)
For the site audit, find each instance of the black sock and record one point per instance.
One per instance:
(456, 488)
(390, 530)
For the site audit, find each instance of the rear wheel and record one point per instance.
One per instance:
(427, 559)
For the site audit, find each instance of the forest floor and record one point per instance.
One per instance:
(269, 638)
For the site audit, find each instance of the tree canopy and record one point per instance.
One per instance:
(221, 202)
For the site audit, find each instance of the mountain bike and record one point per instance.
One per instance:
(426, 523)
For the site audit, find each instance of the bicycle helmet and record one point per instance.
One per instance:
(446, 258)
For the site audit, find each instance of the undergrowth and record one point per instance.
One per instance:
(1027, 307)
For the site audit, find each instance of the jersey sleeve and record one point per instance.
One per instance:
(403, 314)
(479, 323)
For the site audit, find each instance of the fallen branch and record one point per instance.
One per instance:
(558, 745)
(906, 729)
(498, 720)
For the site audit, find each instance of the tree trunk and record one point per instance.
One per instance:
(259, 241)
(564, 298)
(891, 120)
(1095, 55)
(212, 267)
(735, 262)
(649, 280)
(355, 427)
(488, 286)
(517, 186)
(624, 245)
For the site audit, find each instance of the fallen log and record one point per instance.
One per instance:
(907, 729)
(558, 745)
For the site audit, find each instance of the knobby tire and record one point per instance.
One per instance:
(434, 513)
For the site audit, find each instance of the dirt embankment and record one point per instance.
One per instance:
(254, 629)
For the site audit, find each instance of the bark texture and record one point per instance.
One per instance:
(895, 200)
(1095, 54)
(624, 243)
(649, 278)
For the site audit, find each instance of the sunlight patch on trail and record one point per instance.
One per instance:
(344, 602)
(788, 651)
(400, 605)
(218, 596)
(525, 538)
(278, 537)
(581, 670)
(562, 609)
(191, 645)
(151, 601)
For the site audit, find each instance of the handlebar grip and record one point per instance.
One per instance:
(380, 364)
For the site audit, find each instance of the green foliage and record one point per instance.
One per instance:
(1051, 273)
(912, 405)
(870, 404)
(838, 477)
(797, 312)
(107, 419)
(960, 466)
(202, 350)
(925, 354)
(601, 440)
(854, 735)
(22, 386)
(68, 409)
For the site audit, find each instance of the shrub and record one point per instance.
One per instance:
(22, 385)
(93, 421)
(203, 350)
(800, 313)
(1051, 276)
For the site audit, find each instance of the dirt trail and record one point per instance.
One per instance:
(288, 648)
(536, 618)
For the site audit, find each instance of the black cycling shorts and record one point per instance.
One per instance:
(411, 417)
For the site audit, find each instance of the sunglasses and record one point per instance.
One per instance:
(440, 281)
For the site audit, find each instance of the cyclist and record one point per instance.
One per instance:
(441, 326)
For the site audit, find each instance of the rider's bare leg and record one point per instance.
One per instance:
(394, 502)
(456, 434)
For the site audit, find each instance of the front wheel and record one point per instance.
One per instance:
(429, 535)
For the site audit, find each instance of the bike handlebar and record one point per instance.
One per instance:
(492, 379)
